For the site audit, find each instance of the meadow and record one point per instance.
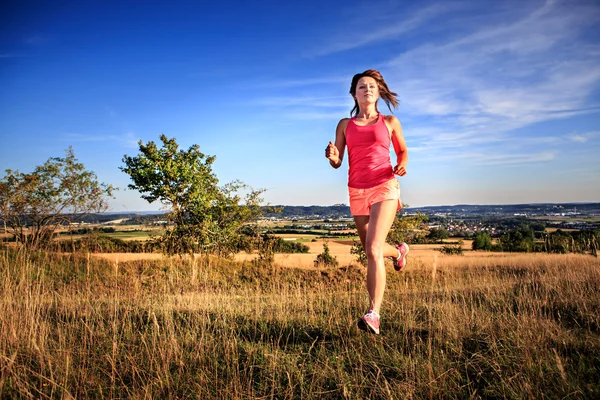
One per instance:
(476, 326)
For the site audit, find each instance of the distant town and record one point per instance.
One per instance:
(459, 220)
(337, 211)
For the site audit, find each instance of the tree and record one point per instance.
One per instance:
(438, 234)
(57, 193)
(204, 217)
(520, 239)
(482, 241)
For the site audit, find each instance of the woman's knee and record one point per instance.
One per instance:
(374, 251)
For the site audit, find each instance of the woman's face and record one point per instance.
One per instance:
(367, 90)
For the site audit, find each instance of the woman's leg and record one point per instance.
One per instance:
(379, 223)
(362, 226)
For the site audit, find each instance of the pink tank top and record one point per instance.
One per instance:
(368, 154)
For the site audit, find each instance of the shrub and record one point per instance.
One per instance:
(454, 248)
(325, 259)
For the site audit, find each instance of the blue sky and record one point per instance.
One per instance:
(500, 100)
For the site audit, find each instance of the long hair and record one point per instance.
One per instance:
(385, 93)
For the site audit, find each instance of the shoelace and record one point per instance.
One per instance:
(372, 315)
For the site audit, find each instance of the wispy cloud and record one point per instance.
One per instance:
(584, 137)
(498, 78)
(365, 26)
(128, 139)
(496, 159)
(522, 72)
(472, 89)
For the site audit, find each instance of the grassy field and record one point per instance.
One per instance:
(479, 326)
(133, 235)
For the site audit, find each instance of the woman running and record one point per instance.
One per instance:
(373, 189)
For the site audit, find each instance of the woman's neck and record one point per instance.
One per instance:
(367, 112)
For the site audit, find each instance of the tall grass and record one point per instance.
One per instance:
(518, 326)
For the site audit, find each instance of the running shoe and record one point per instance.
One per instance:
(369, 322)
(400, 262)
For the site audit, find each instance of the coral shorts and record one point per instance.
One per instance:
(361, 200)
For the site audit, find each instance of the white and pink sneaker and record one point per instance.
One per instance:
(400, 262)
(370, 322)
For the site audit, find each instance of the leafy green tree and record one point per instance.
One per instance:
(203, 216)
(436, 234)
(482, 241)
(58, 193)
(520, 239)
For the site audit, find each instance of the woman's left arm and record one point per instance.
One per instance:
(399, 145)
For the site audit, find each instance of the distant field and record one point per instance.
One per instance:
(562, 229)
(586, 218)
(132, 235)
(340, 248)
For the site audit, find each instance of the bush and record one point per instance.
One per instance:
(284, 246)
(325, 259)
(455, 248)
(106, 244)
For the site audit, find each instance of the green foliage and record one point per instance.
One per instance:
(563, 242)
(205, 217)
(57, 193)
(406, 229)
(267, 245)
(95, 243)
(285, 246)
(482, 241)
(325, 259)
(520, 239)
(438, 235)
(453, 248)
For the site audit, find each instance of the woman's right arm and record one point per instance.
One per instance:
(335, 152)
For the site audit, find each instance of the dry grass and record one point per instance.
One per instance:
(511, 326)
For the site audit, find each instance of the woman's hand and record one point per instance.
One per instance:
(332, 153)
(400, 170)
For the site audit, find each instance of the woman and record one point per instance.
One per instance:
(373, 189)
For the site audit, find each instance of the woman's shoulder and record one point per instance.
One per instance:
(392, 122)
(390, 119)
(343, 122)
